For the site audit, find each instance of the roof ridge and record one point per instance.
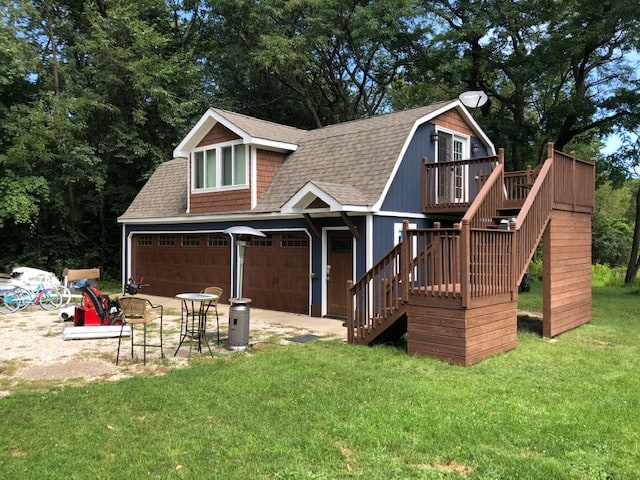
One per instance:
(250, 117)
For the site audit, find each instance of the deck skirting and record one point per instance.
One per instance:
(462, 336)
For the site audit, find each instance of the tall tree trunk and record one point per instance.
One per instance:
(634, 259)
(49, 26)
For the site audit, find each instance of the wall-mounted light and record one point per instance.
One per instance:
(434, 136)
(475, 148)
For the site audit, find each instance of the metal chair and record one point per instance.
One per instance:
(140, 311)
(213, 306)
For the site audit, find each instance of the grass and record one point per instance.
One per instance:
(562, 409)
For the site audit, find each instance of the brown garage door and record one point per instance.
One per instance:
(176, 263)
(276, 272)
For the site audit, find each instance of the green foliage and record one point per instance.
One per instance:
(606, 276)
(612, 224)
(115, 87)
(308, 63)
(20, 199)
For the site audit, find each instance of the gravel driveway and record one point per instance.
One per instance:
(33, 351)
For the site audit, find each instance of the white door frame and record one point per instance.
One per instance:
(325, 247)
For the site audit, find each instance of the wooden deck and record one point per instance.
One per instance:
(456, 289)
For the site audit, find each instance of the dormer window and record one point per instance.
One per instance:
(222, 166)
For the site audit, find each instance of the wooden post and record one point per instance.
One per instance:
(405, 252)
(436, 241)
(350, 313)
(465, 262)
(424, 184)
(514, 261)
(574, 187)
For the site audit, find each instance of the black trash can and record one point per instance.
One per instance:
(239, 314)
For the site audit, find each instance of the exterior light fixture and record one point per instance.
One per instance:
(475, 148)
(434, 137)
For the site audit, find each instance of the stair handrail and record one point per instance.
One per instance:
(489, 198)
(532, 219)
(376, 292)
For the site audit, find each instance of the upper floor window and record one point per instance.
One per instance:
(452, 147)
(220, 166)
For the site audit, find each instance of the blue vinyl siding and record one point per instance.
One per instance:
(404, 193)
(384, 237)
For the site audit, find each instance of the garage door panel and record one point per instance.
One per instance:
(172, 268)
(276, 269)
(276, 273)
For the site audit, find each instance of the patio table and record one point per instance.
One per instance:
(193, 322)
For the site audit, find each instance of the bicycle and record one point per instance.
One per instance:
(13, 299)
(64, 292)
(19, 298)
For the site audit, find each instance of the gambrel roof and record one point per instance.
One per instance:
(349, 165)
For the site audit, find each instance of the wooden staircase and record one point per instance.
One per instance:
(440, 284)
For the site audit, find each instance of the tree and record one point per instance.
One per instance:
(626, 161)
(611, 226)
(553, 70)
(113, 88)
(309, 62)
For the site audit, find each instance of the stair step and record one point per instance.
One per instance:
(508, 212)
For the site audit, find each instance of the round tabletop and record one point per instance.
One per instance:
(197, 296)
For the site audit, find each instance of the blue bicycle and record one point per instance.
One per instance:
(17, 298)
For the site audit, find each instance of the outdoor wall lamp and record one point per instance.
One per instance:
(434, 137)
(475, 148)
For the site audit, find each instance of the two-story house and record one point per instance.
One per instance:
(332, 203)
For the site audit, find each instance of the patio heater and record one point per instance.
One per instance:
(238, 338)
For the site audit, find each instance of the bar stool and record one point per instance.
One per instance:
(140, 311)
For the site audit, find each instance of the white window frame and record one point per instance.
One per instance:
(219, 170)
(459, 179)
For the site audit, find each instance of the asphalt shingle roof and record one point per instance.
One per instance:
(164, 195)
(261, 128)
(361, 153)
(350, 161)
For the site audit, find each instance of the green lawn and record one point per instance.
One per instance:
(566, 408)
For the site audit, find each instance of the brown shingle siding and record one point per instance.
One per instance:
(220, 202)
(268, 164)
(452, 120)
(218, 134)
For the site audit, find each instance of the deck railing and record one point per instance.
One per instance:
(574, 182)
(425, 263)
(532, 219)
(433, 261)
(488, 201)
(452, 186)
(517, 186)
(485, 266)
(472, 262)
